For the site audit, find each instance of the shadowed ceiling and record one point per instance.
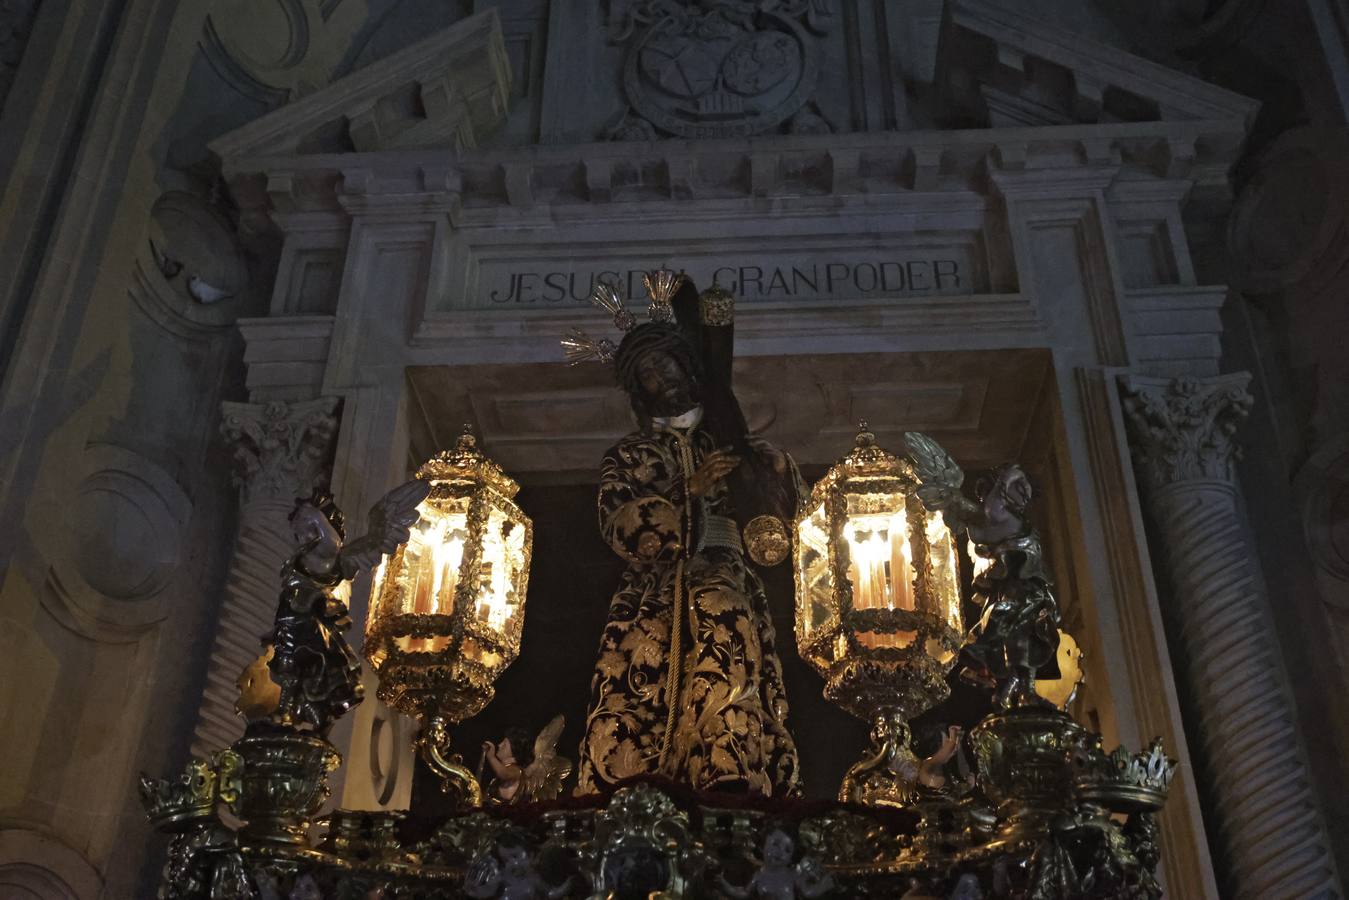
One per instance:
(551, 423)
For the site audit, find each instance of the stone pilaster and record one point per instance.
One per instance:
(281, 451)
(1272, 833)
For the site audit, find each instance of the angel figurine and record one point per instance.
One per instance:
(779, 878)
(1018, 629)
(318, 673)
(893, 775)
(506, 872)
(525, 771)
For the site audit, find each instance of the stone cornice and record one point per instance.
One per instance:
(1181, 429)
(868, 165)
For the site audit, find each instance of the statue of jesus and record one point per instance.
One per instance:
(688, 683)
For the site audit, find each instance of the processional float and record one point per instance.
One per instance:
(876, 551)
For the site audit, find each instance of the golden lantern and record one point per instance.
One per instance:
(447, 608)
(877, 607)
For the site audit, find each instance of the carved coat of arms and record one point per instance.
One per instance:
(718, 68)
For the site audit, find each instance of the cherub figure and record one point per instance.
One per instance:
(778, 878)
(318, 673)
(918, 891)
(526, 771)
(967, 888)
(506, 872)
(1018, 629)
(892, 774)
(306, 888)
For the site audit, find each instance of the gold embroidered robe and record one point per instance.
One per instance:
(729, 726)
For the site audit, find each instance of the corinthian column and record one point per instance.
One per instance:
(1272, 833)
(281, 452)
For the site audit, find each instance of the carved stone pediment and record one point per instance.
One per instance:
(1008, 69)
(444, 92)
(718, 108)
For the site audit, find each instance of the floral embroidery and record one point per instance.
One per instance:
(730, 727)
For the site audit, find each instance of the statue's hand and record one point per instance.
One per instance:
(715, 467)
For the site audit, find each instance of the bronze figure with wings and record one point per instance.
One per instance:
(318, 673)
(1017, 635)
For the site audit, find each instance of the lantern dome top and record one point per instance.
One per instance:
(467, 464)
(866, 460)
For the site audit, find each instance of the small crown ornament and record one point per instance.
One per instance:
(193, 795)
(1122, 781)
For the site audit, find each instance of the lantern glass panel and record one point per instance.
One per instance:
(814, 595)
(944, 581)
(880, 555)
(499, 605)
(421, 579)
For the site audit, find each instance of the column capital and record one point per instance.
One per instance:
(280, 449)
(1181, 429)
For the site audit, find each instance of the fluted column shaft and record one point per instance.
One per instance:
(1273, 835)
(281, 452)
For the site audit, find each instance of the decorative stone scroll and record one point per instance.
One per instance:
(727, 69)
(1271, 831)
(281, 452)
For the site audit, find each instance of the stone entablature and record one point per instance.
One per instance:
(473, 184)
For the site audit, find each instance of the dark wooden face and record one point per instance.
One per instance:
(667, 388)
